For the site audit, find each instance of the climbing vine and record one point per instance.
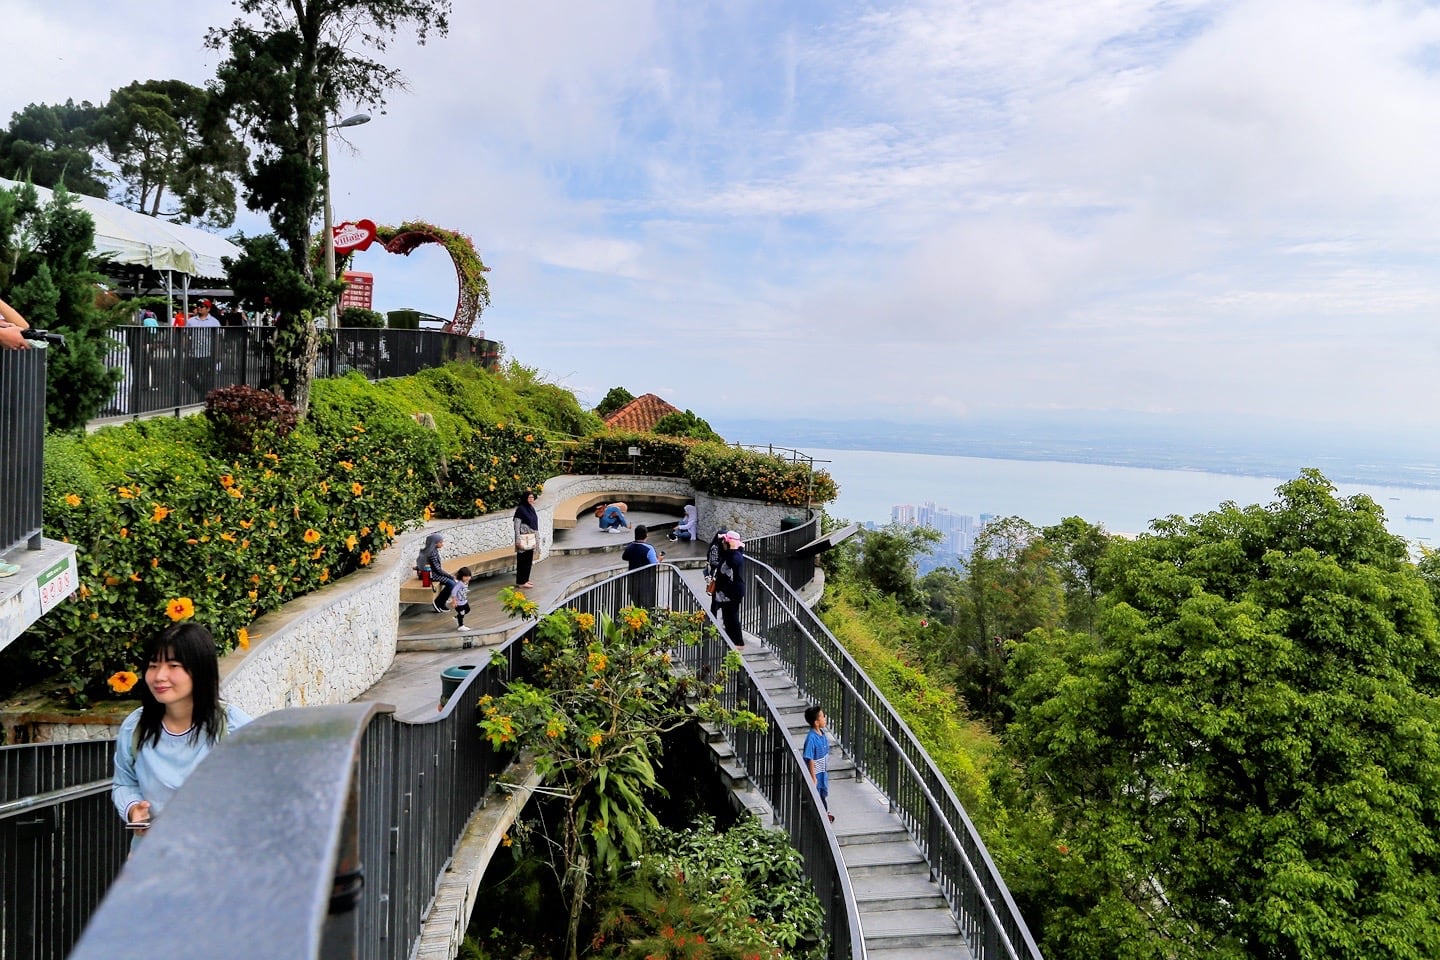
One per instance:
(470, 270)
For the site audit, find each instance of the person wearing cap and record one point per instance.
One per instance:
(729, 580)
(202, 349)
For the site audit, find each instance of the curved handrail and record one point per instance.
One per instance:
(322, 831)
(174, 888)
(1006, 929)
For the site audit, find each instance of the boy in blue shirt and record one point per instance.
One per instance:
(817, 755)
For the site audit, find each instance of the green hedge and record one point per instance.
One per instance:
(713, 468)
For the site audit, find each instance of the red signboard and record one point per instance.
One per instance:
(359, 290)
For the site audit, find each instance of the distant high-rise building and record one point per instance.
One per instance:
(903, 514)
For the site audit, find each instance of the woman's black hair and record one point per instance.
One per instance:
(192, 646)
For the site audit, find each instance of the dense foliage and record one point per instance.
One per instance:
(46, 274)
(240, 516)
(616, 398)
(604, 693)
(1221, 739)
(686, 424)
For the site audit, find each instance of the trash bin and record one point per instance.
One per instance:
(790, 523)
(451, 678)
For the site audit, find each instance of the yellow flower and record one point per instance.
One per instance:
(311, 535)
(428, 512)
(154, 562)
(228, 537)
(356, 489)
(111, 580)
(244, 638)
(123, 681)
(325, 575)
(72, 500)
(227, 481)
(554, 728)
(324, 487)
(160, 514)
(529, 438)
(347, 464)
(364, 531)
(236, 492)
(134, 577)
(253, 594)
(480, 503)
(359, 429)
(597, 662)
(365, 558)
(180, 609)
(586, 621)
(318, 552)
(124, 532)
(126, 493)
(505, 840)
(351, 541)
(246, 524)
(595, 739)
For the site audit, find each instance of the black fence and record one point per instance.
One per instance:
(323, 831)
(172, 368)
(61, 844)
(778, 551)
(886, 751)
(22, 446)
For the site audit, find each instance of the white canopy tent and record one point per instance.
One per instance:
(126, 237)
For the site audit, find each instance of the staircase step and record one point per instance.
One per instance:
(882, 859)
(881, 893)
(916, 928)
(881, 951)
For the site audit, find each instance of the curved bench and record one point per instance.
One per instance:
(499, 560)
(567, 512)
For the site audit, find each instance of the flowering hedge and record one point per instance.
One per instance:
(496, 465)
(608, 453)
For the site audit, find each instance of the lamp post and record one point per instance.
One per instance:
(351, 121)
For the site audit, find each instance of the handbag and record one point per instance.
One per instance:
(526, 541)
(709, 586)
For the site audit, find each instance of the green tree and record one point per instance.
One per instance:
(608, 691)
(888, 559)
(362, 318)
(177, 158)
(51, 146)
(614, 400)
(285, 74)
(686, 424)
(1244, 761)
(1078, 549)
(45, 273)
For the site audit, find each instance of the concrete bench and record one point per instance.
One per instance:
(499, 560)
(567, 512)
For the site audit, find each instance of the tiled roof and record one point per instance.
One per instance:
(641, 414)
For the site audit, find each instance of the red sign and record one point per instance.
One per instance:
(354, 236)
(359, 290)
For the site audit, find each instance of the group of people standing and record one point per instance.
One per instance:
(454, 589)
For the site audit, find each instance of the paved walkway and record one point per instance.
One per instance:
(428, 642)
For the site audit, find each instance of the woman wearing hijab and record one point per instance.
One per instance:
(430, 556)
(730, 585)
(527, 536)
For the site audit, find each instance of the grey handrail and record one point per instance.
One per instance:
(174, 888)
(1006, 929)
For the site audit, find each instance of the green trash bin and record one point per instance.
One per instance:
(790, 523)
(451, 678)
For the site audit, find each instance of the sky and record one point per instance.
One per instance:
(930, 211)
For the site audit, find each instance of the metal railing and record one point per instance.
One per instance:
(777, 550)
(61, 844)
(22, 446)
(886, 751)
(323, 831)
(171, 368)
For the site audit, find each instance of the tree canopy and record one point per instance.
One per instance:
(51, 145)
(1244, 759)
(616, 398)
(45, 274)
(288, 67)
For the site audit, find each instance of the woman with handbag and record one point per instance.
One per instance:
(527, 538)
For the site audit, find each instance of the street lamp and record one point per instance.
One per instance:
(351, 121)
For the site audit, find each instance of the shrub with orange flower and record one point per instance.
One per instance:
(311, 535)
(160, 514)
(181, 608)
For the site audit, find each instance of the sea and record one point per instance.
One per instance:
(1125, 500)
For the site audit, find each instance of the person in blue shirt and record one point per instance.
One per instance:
(180, 720)
(612, 516)
(638, 554)
(817, 755)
